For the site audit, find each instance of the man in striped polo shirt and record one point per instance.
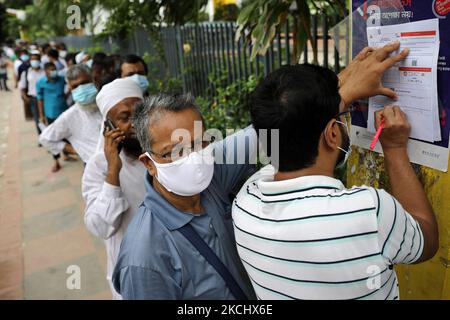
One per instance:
(299, 232)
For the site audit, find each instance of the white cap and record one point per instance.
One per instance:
(80, 56)
(116, 91)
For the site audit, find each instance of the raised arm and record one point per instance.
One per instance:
(362, 77)
(406, 187)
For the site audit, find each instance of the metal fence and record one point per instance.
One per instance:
(210, 50)
(199, 54)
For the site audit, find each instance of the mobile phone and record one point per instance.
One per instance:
(110, 125)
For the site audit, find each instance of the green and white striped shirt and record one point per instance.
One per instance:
(311, 238)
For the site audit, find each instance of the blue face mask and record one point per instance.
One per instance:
(24, 57)
(140, 80)
(89, 63)
(85, 94)
(35, 64)
(53, 74)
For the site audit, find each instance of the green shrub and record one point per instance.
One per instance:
(228, 107)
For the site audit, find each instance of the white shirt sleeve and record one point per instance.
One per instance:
(17, 64)
(104, 202)
(235, 157)
(23, 81)
(51, 138)
(399, 234)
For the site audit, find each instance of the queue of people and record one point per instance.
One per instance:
(185, 215)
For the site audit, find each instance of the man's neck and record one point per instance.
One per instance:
(191, 204)
(315, 170)
(132, 155)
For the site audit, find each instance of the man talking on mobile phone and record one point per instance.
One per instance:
(113, 184)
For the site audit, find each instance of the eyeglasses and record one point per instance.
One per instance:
(183, 150)
(347, 115)
(350, 110)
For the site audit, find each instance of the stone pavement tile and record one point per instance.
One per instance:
(11, 273)
(9, 195)
(28, 144)
(37, 156)
(75, 179)
(105, 295)
(39, 184)
(28, 136)
(51, 282)
(10, 213)
(11, 259)
(43, 162)
(42, 171)
(12, 293)
(45, 209)
(34, 153)
(51, 201)
(10, 252)
(47, 251)
(26, 125)
(51, 223)
(10, 237)
(77, 192)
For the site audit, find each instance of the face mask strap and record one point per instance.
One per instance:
(345, 125)
(347, 152)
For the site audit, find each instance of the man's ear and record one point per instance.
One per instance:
(330, 135)
(148, 163)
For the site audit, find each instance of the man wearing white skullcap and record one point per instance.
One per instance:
(81, 57)
(113, 181)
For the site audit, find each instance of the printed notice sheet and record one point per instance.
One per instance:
(414, 79)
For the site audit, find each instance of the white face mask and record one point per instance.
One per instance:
(189, 175)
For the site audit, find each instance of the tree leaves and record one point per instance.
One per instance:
(259, 21)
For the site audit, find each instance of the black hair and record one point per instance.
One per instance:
(45, 47)
(70, 57)
(133, 59)
(103, 69)
(53, 53)
(299, 101)
(20, 51)
(99, 57)
(61, 46)
(48, 65)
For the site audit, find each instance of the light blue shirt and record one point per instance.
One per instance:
(157, 262)
(52, 93)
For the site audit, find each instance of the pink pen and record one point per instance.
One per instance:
(377, 135)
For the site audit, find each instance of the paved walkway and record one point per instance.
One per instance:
(41, 218)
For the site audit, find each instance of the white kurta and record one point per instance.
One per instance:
(80, 125)
(32, 77)
(109, 208)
